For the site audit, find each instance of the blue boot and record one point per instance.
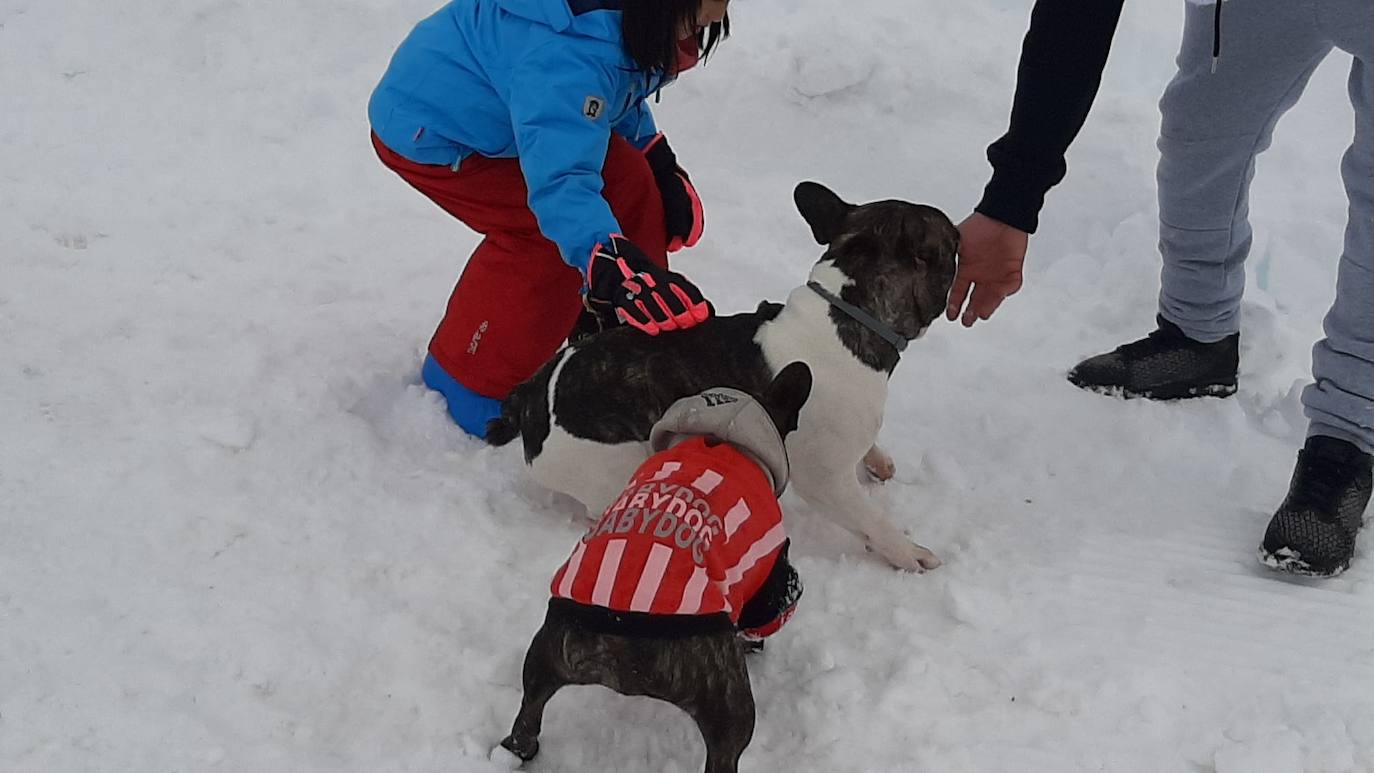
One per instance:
(471, 410)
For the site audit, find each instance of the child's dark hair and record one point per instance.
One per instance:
(652, 28)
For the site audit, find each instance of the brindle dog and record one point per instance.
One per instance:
(686, 660)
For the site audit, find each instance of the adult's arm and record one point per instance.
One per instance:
(1057, 80)
(1061, 68)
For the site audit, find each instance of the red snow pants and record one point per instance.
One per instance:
(516, 301)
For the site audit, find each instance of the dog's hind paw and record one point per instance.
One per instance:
(908, 556)
(504, 758)
(511, 748)
(879, 465)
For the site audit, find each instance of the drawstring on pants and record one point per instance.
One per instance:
(1216, 37)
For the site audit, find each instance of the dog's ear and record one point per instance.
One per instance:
(822, 209)
(787, 394)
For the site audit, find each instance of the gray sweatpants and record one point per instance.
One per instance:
(1214, 124)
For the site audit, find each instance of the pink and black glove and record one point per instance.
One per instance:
(682, 212)
(622, 278)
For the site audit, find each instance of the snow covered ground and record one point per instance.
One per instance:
(236, 533)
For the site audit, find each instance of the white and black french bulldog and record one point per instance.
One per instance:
(883, 279)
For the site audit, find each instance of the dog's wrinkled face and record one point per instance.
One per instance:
(899, 256)
(901, 243)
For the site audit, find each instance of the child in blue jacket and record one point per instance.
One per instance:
(527, 120)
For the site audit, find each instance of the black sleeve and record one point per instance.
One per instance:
(1061, 67)
(778, 594)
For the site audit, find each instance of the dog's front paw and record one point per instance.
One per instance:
(908, 556)
(879, 464)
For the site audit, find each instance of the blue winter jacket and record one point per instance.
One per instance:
(545, 81)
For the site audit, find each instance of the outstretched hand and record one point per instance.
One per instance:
(991, 257)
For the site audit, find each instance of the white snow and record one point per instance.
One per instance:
(236, 533)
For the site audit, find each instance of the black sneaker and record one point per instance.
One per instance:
(1165, 365)
(1313, 533)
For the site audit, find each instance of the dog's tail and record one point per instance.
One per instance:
(525, 412)
(522, 410)
(506, 427)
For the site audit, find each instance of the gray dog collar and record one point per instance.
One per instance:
(869, 321)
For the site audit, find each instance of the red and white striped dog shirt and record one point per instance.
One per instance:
(696, 532)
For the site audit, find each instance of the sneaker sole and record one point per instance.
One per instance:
(1288, 563)
(1164, 394)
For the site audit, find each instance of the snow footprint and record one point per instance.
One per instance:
(821, 69)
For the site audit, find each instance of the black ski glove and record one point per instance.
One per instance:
(682, 213)
(653, 299)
